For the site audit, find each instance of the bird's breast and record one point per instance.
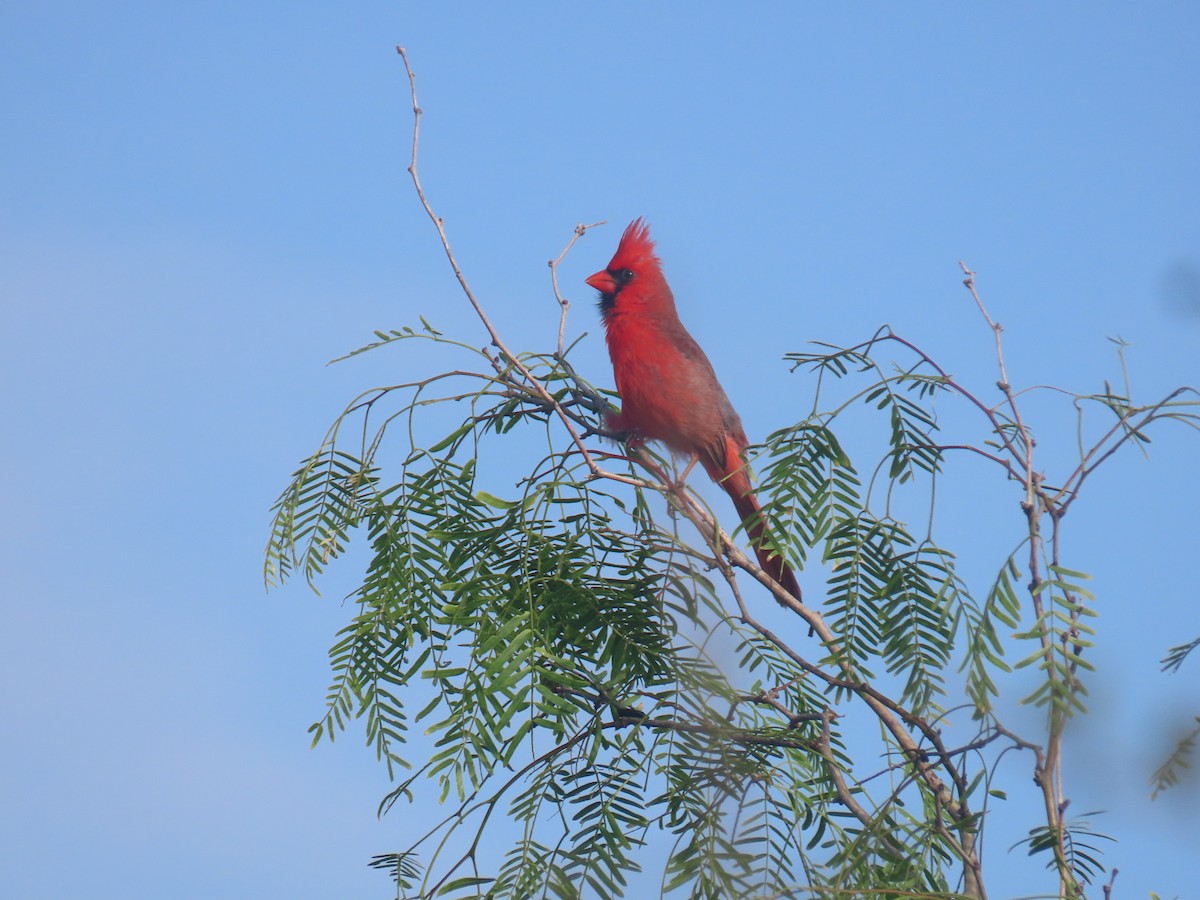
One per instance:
(667, 386)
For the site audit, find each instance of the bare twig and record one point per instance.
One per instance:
(1048, 766)
(510, 357)
(1108, 888)
(563, 302)
(1004, 384)
(996, 327)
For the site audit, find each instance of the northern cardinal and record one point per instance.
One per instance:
(669, 391)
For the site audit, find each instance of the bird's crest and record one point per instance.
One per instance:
(636, 247)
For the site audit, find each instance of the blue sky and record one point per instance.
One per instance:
(202, 204)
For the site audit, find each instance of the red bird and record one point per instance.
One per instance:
(669, 391)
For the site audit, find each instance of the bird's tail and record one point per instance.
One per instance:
(733, 477)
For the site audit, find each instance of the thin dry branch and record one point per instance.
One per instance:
(1005, 386)
(563, 303)
(510, 357)
(996, 327)
(1048, 774)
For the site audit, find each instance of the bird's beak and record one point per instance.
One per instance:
(603, 282)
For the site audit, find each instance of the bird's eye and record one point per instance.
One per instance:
(620, 277)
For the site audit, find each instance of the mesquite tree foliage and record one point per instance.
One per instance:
(585, 678)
